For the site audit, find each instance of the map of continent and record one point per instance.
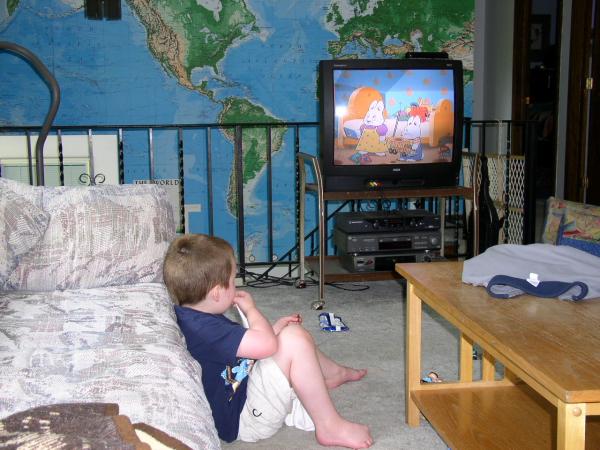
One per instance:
(216, 61)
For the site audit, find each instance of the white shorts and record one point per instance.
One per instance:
(270, 401)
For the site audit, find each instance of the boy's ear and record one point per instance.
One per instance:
(215, 293)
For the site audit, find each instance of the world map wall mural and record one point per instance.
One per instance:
(214, 61)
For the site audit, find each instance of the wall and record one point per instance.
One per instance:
(563, 77)
(493, 59)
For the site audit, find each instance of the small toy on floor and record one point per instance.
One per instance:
(330, 322)
(431, 377)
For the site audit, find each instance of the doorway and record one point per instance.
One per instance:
(535, 92)
(535, 83)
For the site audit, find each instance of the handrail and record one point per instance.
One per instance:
(161, 126)
(304, 181)
(49, 79)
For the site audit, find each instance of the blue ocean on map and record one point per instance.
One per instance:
(272, 73)
(101, 86)
(275, 70)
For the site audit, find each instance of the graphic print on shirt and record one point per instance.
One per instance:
(235, 375)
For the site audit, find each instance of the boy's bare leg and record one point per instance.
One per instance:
(298, 359)
(335, 374)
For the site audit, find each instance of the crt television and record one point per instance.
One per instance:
(390, 123)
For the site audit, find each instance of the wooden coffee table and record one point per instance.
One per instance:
(549, 395)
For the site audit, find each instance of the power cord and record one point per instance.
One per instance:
(262, 281)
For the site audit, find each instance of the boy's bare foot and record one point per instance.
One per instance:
(343, 433)
(344, 375)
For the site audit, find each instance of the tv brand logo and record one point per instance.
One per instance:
(396, 169)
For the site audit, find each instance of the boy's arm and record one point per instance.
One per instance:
(259, 341)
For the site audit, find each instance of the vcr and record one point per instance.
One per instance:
(384, 262)
(387, 221)
(386, 242)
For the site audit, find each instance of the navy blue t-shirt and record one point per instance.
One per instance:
(213, 340)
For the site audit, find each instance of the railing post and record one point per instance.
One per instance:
(121, 156)
(529, 194)
(507, 180)
(269, 196)
(61, 164)
(151, 153)
(29, 158)
(209, 183)
(239, 183)
(181, 167)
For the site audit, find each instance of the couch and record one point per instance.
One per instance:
(84, 315)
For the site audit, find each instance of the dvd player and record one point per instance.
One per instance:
(386, 242)
(387, 221)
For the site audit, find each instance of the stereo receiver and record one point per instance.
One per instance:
(387, 221)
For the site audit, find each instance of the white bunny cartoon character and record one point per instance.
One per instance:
(373, 134)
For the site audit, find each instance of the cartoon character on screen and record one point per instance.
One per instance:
(411, 148)
(373, 134)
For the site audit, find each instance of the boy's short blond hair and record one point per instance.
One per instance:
(194, 264)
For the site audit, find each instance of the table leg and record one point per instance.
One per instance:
(571, 426)
(413, 353)
(508, 375)
(488, 369)
(443, 226)
(466, 359)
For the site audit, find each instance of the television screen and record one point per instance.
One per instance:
(391, 123)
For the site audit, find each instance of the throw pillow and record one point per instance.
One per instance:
(32, 194)
(22, 225)
(581, 229)
(555, 212)
(81, 425)
(98, 236)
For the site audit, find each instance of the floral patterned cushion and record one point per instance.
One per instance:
(22, 225)
(32, 194)
(98, 236)
(556, 209)
(117, 344)
(581, 229)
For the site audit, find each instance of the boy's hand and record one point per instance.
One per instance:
(280, 324)
(244, 300)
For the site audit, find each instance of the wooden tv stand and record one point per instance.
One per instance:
(550, 394)
(328, 268)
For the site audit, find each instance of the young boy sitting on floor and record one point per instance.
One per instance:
(250, 400)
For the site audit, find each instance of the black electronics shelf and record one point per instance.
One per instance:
(328, 268)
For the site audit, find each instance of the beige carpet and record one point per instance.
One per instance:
(375, 341)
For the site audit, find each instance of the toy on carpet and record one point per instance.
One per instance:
(330, 322)
(432, 377)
